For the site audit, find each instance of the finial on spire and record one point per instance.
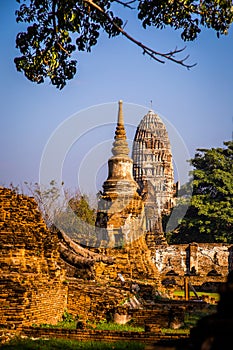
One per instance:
(120, 120)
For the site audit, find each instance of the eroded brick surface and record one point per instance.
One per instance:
(32, 275)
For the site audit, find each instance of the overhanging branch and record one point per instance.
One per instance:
(156, 55)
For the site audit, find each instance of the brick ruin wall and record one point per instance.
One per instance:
(91, 301)
(31, 273)
(35, 289)
(35, 286)
(205, 263)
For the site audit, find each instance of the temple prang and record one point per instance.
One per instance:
(153, 171)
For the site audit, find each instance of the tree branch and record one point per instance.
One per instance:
(126, 4)
(54, 17)
(62, 48)
(156, 55)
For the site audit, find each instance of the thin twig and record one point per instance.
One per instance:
(126, 4)
(62, 48)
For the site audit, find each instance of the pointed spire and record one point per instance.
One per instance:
(120, 120)
(120, 145)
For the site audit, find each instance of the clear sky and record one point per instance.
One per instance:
(198, 102)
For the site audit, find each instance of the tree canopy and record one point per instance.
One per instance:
(58, 28)
(209, 218)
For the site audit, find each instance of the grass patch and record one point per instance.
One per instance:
(211, 295)
(61, 344)
(103, 326)
(69, 322)
(110, 326)
(61, 324)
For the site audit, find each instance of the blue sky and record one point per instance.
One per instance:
(198, 102)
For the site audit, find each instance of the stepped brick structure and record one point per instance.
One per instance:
(120, 210)
(153, 171)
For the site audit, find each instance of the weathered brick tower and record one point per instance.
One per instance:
(120, 209)
(153, 170)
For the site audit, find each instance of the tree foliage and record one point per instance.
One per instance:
(81, 207)
(52, 204)
(58, 28)
(210, 215)
(78, 220)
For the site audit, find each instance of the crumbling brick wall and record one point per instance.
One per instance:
(195, 258)
(206, 263)
(34, 287)
(133, 261)
(93, 301)
(31, 272)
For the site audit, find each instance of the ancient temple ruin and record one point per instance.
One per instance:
(153, 169)
(44, 272)
(120, 210)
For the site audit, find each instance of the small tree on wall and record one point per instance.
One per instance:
(52, 205)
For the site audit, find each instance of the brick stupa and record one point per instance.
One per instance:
(120, 210)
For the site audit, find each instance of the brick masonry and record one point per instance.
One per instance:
(95, 335)
(32, 278)
(205, 263)
(35, 288)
